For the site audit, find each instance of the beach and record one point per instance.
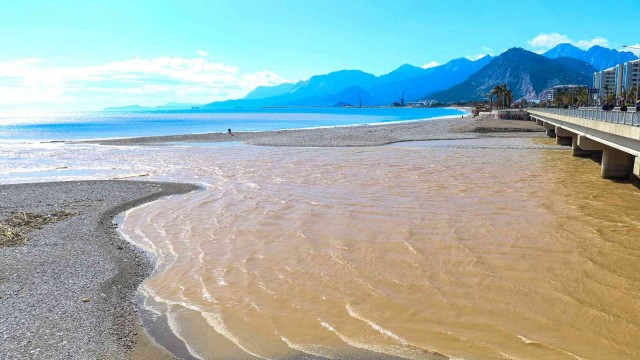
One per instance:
(68, 291)
(403, 278)
(358, 135)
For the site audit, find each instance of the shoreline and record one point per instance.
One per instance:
(110, 268)
(69, 291)
(350, 136)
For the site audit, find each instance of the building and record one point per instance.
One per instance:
(616, 80)
(630, 75)
(605, 82)
(556, 92)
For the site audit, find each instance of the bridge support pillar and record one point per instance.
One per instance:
(551, 129)
(563, 136)
(616, 164)
(576, 150)
(636, 167)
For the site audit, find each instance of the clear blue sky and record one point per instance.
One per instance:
(88, 54)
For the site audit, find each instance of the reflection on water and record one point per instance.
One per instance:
(497, 250)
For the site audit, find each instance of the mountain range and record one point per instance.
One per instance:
(600, 57)
(355, 87)
(526, 73)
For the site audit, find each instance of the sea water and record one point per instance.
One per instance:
(101, 125)
(475, 249)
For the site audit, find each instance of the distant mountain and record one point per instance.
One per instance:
(600, 57)
(425, 81)
(355, 87)
(526, 73)
(168, 106)
(262, 92)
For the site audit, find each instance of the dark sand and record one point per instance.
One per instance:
(43, 282)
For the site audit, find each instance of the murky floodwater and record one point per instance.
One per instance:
(412, 251)
(415, 251)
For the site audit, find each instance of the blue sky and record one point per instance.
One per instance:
(83, 55)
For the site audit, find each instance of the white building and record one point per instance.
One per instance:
(605, 82)
(630, 75)
(616, 80)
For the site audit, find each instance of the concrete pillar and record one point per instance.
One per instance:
(576, 150)
(616, 164)
(563, 136)
(551, 129)
(636, 167)
(587, 144)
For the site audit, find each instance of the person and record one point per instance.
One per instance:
(623, 107)
(638, 105)
(605, 107)
(229, 131)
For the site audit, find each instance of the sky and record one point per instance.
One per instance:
(68, 55)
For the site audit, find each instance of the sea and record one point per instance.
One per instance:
(112, 124)
(493, 248)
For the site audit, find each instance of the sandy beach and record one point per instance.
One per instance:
(361, 135)
(68, 292)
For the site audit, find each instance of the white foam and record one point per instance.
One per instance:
(215, 321)
(176, 330)
(378, 328)
(399, 351)
(311, 349)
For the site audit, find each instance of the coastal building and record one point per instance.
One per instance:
(630, 75)
(556, 92)
(616, 80)
(605, 82)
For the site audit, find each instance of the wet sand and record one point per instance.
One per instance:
(43, 283)
(361, 135)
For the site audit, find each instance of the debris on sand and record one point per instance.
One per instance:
(14, 229)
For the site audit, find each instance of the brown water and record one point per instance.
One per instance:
(414, 251)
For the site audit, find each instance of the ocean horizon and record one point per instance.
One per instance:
(123, 124)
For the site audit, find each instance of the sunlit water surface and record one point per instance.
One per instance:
(414, 251)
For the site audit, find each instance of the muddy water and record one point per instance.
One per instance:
(418, 251)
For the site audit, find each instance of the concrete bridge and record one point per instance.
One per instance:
(613, 135)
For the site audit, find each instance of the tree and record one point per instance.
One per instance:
(497, 91)
(508, 95)
(583, 97)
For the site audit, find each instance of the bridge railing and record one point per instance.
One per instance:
(615, 117)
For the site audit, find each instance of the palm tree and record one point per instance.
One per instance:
(508, 94)
(503, 92)
(497, 91)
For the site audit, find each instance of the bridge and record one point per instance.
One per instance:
(614, 135)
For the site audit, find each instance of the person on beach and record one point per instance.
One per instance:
(229, 131)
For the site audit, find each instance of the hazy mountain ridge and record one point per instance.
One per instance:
(525, 72)
(356, 87)
(600, 57)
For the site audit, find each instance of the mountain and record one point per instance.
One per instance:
(356, 87)
(526, 73)
(167, 106)
(600, 57)
(320, 90)
(262, 92)
(390, 87)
